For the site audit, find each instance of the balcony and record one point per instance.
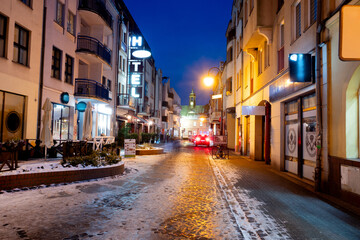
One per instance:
(165, 104)
(91, 89)
(94, 12)
(98, 51)
(125, 101)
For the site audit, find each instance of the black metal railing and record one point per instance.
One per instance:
(94, 46)
(97, 7)
(91, 88)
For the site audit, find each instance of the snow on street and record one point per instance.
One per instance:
(183, 194)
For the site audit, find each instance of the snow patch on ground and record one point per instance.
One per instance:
(252, 221)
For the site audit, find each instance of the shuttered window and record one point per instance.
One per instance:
(313, 11)
(298, 20)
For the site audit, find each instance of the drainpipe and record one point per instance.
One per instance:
(41, 77)
(320, 25)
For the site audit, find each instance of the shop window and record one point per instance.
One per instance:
(21, 45)
(103, 124)
(69, 69)
(12, 108)
(60, 122)
(56, 63)
(59, 18)
(71, 23)
(3, 31)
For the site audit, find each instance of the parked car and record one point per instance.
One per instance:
(202, 140)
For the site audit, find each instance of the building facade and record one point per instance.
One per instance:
(297, 127)
(21, 24)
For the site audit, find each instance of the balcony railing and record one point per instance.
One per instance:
(124, 99)
(97, 7)
(91, 88)
(93, 46)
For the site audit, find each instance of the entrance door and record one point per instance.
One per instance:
(291, 136)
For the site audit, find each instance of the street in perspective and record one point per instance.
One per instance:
(231, 119)
(182, 194)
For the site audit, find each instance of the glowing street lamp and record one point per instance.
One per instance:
(210, 81)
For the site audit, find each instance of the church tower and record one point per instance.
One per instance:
(192, 99)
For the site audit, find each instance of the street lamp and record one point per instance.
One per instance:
(209, 81)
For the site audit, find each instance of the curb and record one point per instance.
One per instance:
(46, 178)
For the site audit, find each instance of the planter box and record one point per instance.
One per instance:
(149, 151)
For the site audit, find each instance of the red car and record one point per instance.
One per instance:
(202, 140)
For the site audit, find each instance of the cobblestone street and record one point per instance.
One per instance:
(183, 194)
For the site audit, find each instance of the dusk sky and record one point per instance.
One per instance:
(186, 38)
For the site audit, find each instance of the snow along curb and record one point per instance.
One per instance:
(8, 182)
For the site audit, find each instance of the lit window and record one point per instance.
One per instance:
(56, 63)
(21, 45)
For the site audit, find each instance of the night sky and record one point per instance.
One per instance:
(186, 38)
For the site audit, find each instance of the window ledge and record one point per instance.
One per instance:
(27, 66)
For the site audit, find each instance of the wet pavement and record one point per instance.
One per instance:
(183, 194)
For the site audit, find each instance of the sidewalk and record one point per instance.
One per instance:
(303, 183)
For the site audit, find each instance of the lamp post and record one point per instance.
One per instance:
(210, 81)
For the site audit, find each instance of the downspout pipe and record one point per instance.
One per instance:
(41, 76)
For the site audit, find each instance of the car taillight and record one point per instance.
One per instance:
(208, 139)
(197, 139)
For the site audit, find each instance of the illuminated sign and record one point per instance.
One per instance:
(136, 73)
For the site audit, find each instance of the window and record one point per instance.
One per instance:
(61, 122)
(313, 11)
(201, 124)
(266, 55)
(229, 55)
(71, 23)
(109, 84)
(229, 85)
(21, 45)
(27, 2)
(281, 47)
(245, 12)
(194, 124)
(124, 65)
(59, 13)
(298, 20)
(120, 63)
(260, 61)
(56, 63)
(251, 5)
(280, 4)
(69, 67)
(3, 29)
(251, 77)
(103, 81)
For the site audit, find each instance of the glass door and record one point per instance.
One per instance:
(291, 137)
